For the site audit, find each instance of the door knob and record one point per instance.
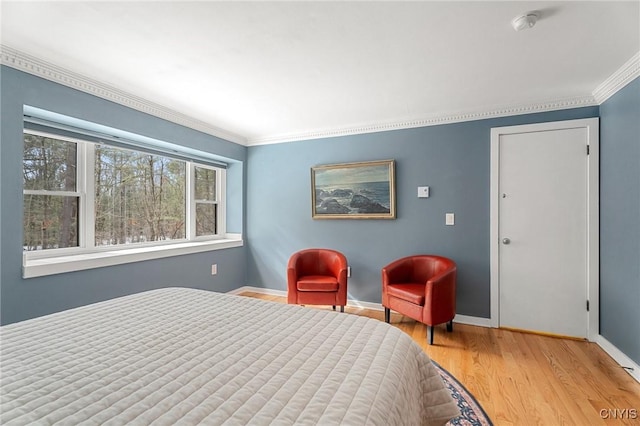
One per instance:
(506, 241)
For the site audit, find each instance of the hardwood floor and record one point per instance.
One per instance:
(526, 379)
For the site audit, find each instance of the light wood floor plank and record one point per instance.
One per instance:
(524, 379)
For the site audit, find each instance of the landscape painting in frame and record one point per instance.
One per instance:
(363, 190)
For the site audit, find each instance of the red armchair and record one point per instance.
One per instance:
(317, 277)
(422, 287)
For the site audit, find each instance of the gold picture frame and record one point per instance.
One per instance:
(363, 190)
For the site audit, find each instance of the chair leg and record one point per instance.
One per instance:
(450, 326)
(387, 315)
(430, 334)
(334, 307)
(342, 308)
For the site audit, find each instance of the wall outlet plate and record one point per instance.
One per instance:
(450, 219)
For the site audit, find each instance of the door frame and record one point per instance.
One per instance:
(593, 223)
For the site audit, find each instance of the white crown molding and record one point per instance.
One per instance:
(623, 76)
(31, 65)
(470, 115)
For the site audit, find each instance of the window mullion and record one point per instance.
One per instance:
(51, 193)
(221, 188)
(190, 204)
(87, 180)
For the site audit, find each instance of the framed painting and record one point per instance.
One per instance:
(364, 190)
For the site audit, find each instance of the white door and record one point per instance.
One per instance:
(543, 227)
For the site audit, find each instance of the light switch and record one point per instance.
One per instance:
(423, 192)
(450, 219)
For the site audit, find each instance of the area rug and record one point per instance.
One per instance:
(472, 412)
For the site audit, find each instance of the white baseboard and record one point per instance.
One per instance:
(623, 360)
(283, 293)
(618, 356)
(460, 319)
(477, 321)
(259, 290)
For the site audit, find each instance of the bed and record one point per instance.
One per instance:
(185, 356)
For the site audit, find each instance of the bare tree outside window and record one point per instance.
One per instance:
(138, 197)
(206, 201)
(50, 217)
(85, 195)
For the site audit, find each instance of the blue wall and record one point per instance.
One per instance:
(620, 220)
(270, 187)
(26, 298)
(453, 159)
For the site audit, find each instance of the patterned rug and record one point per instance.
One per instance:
(472, 412)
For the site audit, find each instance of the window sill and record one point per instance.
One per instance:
(78, 262)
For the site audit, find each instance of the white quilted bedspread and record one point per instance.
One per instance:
(184, 356)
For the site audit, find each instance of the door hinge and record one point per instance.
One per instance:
(587, 149)
(587, 306)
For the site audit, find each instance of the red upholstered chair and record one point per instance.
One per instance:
(317, 277)
(422, 287)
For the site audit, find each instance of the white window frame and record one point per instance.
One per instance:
(221, 184)
(80, 192)
(87, 255)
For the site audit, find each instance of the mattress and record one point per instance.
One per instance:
(185, 356)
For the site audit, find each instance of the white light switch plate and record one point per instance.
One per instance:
(423, 192)
(450, 219)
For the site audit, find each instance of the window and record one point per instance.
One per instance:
(138, 197)
(205, 201)
(81, 196)
(51, 198)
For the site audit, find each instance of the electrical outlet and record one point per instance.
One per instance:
(214, 269)
(450, 219)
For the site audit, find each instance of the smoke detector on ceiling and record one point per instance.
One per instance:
(528, 20)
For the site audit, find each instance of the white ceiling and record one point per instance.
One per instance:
(273, 71)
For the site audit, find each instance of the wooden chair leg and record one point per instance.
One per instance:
(342, 308)
(450, 326)
(387, 315)
(430, 334)
(334, 307)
